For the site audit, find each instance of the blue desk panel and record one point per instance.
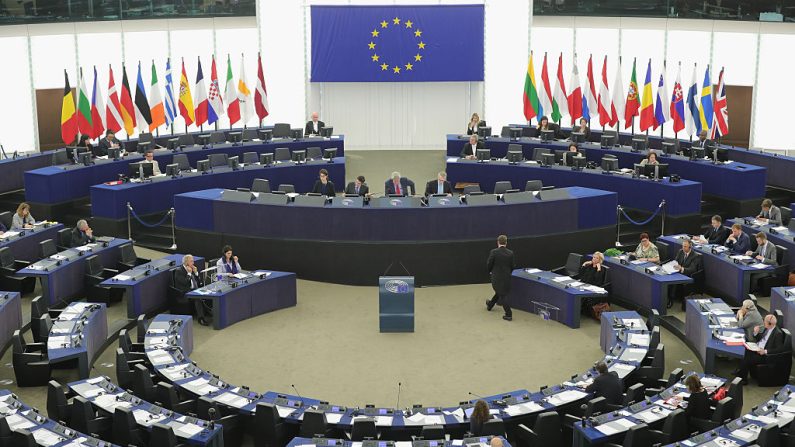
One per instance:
(634, 287)
(58, 184)
(779, 167)
(611, 323)
(25, 246)
(681, 198)
(10, 316)
(166, 330)
(782, 237)
(699, 315)
(110, 201)
(12, 169)
(78, 333)
(783, 299)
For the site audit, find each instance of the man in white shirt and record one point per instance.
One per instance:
(315, 126)
(149, 157)
(769, 341)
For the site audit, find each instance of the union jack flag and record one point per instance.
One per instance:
(720, 125)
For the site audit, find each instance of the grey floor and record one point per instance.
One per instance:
(329, 347)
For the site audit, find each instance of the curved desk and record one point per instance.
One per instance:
(25, 244)
(78, 333)
(641, 285)
(170, 362)
(703, 319)
(439, 245)
(10, 316)
(778, 235)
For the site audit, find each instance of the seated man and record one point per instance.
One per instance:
(187, 278)
(770, 213)
(398, 185)
(689, 262)
(82, 234)
(149, 157)
(702, 140)
(717, 234)
(439, 186)
(110, 141)
(769, 340)
(738, 241)
(358, 187)
(607, 385)
(765, 251)
(314, 126)
(470, 149)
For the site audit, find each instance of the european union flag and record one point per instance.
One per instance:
(397, 43)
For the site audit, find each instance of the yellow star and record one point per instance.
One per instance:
(396, 70)
(384, 24)
(384, 67)
(409, 66)
(371, 46)
(396, 21)
(417, 33)
(417, 57)
(375, 33)
(375, 57)
(421, 45)
(408, 23)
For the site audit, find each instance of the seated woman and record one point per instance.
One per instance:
(698, 401)
(651, 159)
(474, 122)
(543, 124)
(479, 417)
(593, 272)
(583, 128)
(323, 185)
(228, 265)
(22, 218)
(646, 251)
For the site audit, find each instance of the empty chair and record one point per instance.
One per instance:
(45, 325)
(57, 404)
(674, 429)
(769, 436)
(182, 161)
(735, 391)
(94, 276)
(6, 218)
(493, 427)
(786, 215)
(634, 394)
(281, 130)
(723, 412)
(64, 239)
(22, 437)
(125, 429)
(651, 374)
(780, 275)
(514, 147)
(546, 431)
(637, 436)
(538, 153)
(313, 153)
(363, 429)
(143, 386)
(314, 424)
(145, 137)
(47, 248)
(653, 319)
(8, 278)
(261, 185)
(269, 430)
(469, 189)
(133, 350)
(128, 258)
(286, 188)
(662, 248)
(84, 418)
(162, 435)
(170, 398)
(282, 154)
(533, 185)
(6, 435)
(125, 374)
(673, 377)
(573, 263)
(502, 186)
(250, 158)
(141, 324)
(217, 137)
(231, 423)
(432, 432)
(31, 366)
(217, 160)
(249, 135)
(186, 140)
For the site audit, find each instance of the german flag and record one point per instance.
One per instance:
(127, 110)
(68, 116)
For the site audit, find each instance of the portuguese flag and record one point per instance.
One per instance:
(633, 104)
(68, 118)
(530, 97)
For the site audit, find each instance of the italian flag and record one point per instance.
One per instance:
(530, 96)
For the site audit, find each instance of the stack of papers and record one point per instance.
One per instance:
(46, 437)
(653, 414)
(741, 257)
(639, 339)
(232, 399)
(621, 369)
(202, 387)
(160, 357)
(122, 277)
(615, 426)
(566, 397)
(670, 267)
(458, 413)
(759, 266)
(594, 289)
(532, 270)
(562, 278)
(59, 342)
(9, 234)
(146, 418)
(523, 408)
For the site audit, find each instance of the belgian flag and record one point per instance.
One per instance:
(68, 115)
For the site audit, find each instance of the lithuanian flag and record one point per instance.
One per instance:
(530, 97)
(68, 116)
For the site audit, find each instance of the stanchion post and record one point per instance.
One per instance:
(618, 225)
(129, 223)
(662, 222)
(173, 232)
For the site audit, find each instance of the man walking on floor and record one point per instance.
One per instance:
(500, 264)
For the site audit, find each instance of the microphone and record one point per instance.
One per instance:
(397, 405)
(584, 408)
(296, 392)
(476, 395)
(211, 416)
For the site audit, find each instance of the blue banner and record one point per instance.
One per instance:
(397, 43)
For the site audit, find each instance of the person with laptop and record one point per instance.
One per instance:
(470, 149)
(770, 214)
(358, 187)
(149, 157)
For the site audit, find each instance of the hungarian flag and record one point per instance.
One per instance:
(201, 97)
(261, 94)
(97, 109)
(68, 118)
(545, 98)
(244, 95)
(530, 95)
(560, 100)
(142, 112)
(647, 106)
(185, 98)
(591, 106)
(603, 102)
(156, 106)
(215, 106)
(678, 102)
(575, 97)
(721, 120)
(84, 123)
(230, 94)
(632, 105)
(127, 107)
(662, 110)
(617, 104)
(112, 113)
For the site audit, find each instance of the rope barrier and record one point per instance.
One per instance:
(633, 222)
(161, 222)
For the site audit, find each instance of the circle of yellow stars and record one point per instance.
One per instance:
(395, 23)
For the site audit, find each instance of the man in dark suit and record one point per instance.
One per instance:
(702, 140)
(314, 126)
(738, 241)
(82, 234)
(607, 385)
(398, 185)
(717, 234)
(358, 187)
(500, 264)
(689, 262)
(187, 278)
(470, 149)
(769, 340)
(439, 186)
(101, 149)
(323, 185)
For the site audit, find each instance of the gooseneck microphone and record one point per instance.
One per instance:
(296, 391)
(397, 405)
(476, 395)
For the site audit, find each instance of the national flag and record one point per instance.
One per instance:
(84, 123)
(97, 108)
(530, 94)
(261, 94)
(127, 107)
(215, 104)
(693, 122)
(603, 102)
(230, 94)
(706, 111)
(202, 105)
(720, 123)
(647, 104)
(142, 113)
(632, 105)
(112, 113)
(617, 104)
(662, 109)
(575, 96)
(185, 98)
(545, 97)
(678, 102)
(560, 100)
(168, 101)
(590, 92)
(68, 116)
(244, 95)
(156, 103)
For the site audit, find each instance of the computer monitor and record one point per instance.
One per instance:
(483, 155)
(327, 131)
(203, 166)
(114, 153)
(484, 132)
(609, 164)
(265, 134)
(515, 157)
(144, 146)
(577, 137)
(85, 158)
(697, 153)
(638, 144)
(234, 163)
(607, 141)
(203, 139)
(547, 159)
(722, 154)
(298, 156)
(330, 153)
(637, 169)
(547, 135)
(657, 171)
(135, 169)
(515, 133)
(172, 170)
(297, 133)
(172, 143)
(567, 157)
(579, 162)
(59, 157)
(668, 147)
(235, 137)
(266, 159)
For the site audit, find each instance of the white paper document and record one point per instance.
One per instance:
(45, 437)
(523, 408)
(622, 369)
(670, 268)
(566, 397)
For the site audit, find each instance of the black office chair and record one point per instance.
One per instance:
(363, 429)
(230, 420)
(6, 435)
(637, 436)
(94, 276)
(261, 185)
(313, 153)
(145, 137)
(470, 189)
(314, 425)
(769, 436)
(182, 161)
(653, 319)
(142, 385)
(250, 135)
(533, 185)
(217, 160)
(23, 438)
(493, 427)
(250, 158)
(776, 370)
(654, 340)
(186, 140)
(573, 263)
(780, 274)
(269, 429)
(31, 366)
(286, 188)
(651, 374)
(546, 431)
(125, 430)
(538, 153)
(502, 186)
(64, 239)
(134, 351)
(170, 398)
(735, 391)
(787, 437)
(217, 138)
(125, 374)
(634, 394)
(128, 258)
(163, 435)
(6, 218)
(282, 154)
(84, 418)
(723, 413)
(44, 324)
(141, 323)
(178, 303)
(674, 377)
(57, 403)
(662, 248)
(8, 274)
(432, 432)
(281, 130)
(47, 248)
(674, 429)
